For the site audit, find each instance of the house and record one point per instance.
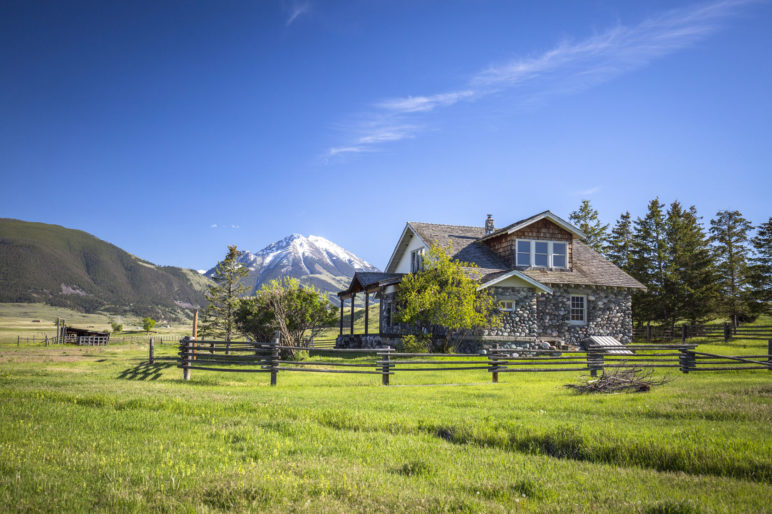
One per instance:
(550, 285)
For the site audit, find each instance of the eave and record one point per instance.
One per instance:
(518, 274)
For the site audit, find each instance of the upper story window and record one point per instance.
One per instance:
(542, 254)
(417, 260)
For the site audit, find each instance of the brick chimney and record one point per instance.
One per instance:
(489, 228)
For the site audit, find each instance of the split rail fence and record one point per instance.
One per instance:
(702, 333)
(252, 357)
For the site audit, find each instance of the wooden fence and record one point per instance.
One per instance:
(702, 333)
(251, 357)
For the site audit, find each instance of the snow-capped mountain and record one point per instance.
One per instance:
(313, 260)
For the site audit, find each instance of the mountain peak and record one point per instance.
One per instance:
(314, 260)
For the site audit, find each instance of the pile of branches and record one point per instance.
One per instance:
(629, 380)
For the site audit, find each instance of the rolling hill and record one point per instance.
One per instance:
(71, 268)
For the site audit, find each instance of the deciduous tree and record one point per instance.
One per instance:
(148, 324)
(286, 306)
(443, 299)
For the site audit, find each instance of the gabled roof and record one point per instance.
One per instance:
(519, 225)
(589, 267)
(493, 280)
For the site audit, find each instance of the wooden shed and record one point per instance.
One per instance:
(83, 336)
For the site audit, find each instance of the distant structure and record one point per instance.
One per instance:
(80, 336)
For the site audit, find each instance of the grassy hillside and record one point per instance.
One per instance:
(97, 429)
(71, 268)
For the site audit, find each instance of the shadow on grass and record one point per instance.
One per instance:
(145, 371)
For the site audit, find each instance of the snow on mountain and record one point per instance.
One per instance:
(313, 260)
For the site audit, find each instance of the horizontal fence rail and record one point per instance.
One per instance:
(267, 357)
(702, 333)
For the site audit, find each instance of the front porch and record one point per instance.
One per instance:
(367, 284)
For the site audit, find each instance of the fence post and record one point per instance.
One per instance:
(648, 333)
(727, 332)
(385, 368)
(769, 354)
(494, 365)
(18, 340)
(683, 333)
(184, 347)
(594, 361)
(151, 359)
(275, 356)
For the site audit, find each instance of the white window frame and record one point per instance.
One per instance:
(583, 321)
(417, 260)
(503, 307)
(532, 245)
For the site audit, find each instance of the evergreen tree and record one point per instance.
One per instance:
(648, 262)
(690, 285)
(760, 270)
(619, 243)
(586, 219)
(729, 238)
(223, 296)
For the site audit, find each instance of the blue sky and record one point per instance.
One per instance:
(172, 129)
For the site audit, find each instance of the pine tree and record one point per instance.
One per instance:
(586, 219)
(619, 243)
(729, 239)
(648, 261)
(760, 270)
(690, 285)
(218, 317)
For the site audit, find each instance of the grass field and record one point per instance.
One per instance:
(96, 428)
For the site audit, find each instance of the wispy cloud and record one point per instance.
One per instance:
(588, 192)
(569, 67)
(297, 9)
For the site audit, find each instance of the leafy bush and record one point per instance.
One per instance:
(415, 344)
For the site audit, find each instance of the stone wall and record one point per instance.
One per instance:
(537, 317)
(547, 315)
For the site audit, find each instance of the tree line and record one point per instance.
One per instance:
(691, 273)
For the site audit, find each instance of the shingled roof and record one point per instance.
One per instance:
(589, 267)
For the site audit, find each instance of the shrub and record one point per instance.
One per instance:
(415, 344)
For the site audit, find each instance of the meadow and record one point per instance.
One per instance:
(97, 428)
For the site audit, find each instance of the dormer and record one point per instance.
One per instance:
(544, 241)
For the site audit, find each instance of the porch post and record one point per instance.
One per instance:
(367, 310)
(353, 300)
(342, 306)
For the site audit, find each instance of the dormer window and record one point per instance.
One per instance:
(541, 254)
(417, 260)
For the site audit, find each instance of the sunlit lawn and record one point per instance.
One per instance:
(96, 428)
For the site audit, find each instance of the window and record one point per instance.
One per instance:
(417, 260)
(559, 257)
(578, 310)
(507, 305)
(542, 254)
(523, 253)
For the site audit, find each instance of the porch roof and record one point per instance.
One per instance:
(369, 281)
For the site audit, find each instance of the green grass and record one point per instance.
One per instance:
(35, 320)
(96, 428)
